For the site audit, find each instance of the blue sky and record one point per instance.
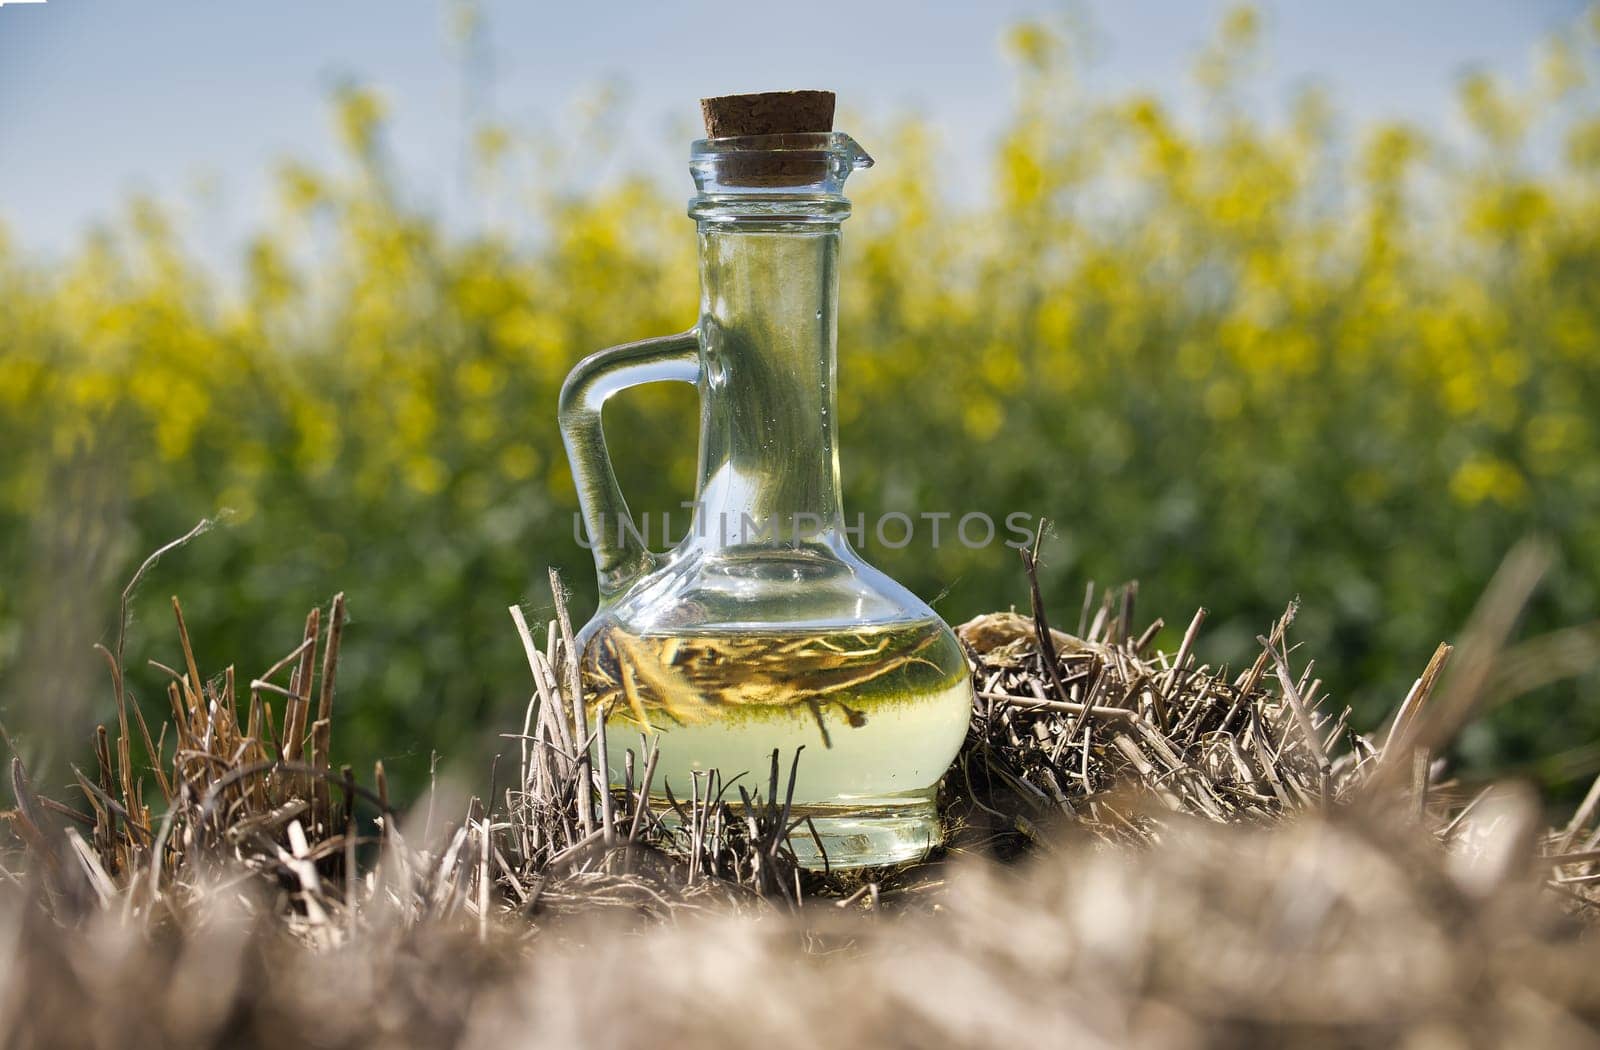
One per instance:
(102, 97)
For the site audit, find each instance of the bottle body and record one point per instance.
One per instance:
(876, 707)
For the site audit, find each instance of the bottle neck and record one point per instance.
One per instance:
(769, 464)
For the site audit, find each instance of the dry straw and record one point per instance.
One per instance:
(1144, 849)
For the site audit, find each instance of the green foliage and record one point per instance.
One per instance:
(1237, 359)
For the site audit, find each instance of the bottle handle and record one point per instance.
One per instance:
(620, 556)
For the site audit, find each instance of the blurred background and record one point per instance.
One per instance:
(1249, 302)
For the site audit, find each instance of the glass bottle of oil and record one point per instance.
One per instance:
(763, 629)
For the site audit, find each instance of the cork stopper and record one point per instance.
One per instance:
(770, 113)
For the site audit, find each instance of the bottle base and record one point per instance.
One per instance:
(840, 838)
(867, 833)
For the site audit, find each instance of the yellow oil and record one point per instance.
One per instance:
(880, 710)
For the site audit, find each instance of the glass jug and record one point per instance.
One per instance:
(763, 629)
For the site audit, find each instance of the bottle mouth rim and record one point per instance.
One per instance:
(798, 167)
(818, 145)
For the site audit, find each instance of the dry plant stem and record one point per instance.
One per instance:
(536, 706)
(1030, 562)
(123, 612)
(1567, 653)
(1060, 705)
(1581, 817)
(295, 713)
(330, 659)
(321, 740)
(1302, 715)
(1184, 650)
(192, 684)
(575, 696)
(291, 657)
(1461, 691)
(642, 799)
(1421, 690)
